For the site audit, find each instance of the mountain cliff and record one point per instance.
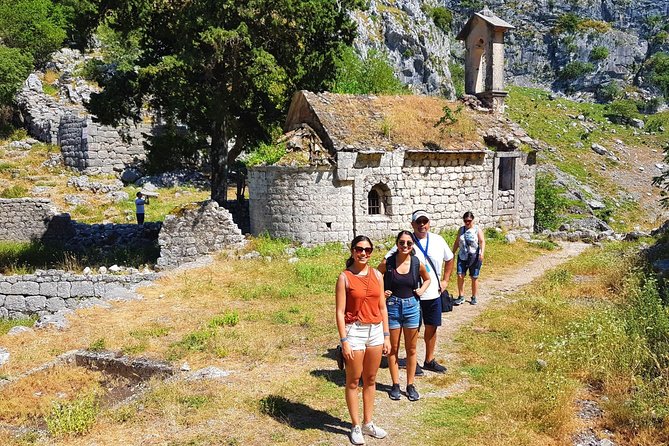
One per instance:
(588, 48)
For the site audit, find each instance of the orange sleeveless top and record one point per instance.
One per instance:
(362, 298)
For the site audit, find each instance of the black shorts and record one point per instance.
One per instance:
(140, 219)
(431, 310)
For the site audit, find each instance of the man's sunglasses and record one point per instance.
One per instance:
(360, 249)
(405, 243)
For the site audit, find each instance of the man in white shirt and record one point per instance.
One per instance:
(434, 246)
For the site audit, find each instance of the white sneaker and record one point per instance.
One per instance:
(373, 431)
(356, 435)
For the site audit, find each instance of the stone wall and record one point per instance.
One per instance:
(87, 146)
(306, 204)
(196, 230)
(47, 292)
(315, 205)
(95, 148)
(26, 219)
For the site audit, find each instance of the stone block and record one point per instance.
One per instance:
(25, 288)
(54, 304)
(48, 289)
(64, 289)
(35, 303)
(15, 303)
(82, 289)
(5, 287)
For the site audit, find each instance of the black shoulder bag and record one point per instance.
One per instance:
(446, 300)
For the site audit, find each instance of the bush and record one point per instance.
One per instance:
(458, 77)
(576, 69)
(15, 66)
(594, 25)
(567, 23)
(371, 75)
(442, 18)
(658, 66)
(549, 204)
(599, 53)
(266, 154)
(609, 92)
(622, 111)
(72, 417)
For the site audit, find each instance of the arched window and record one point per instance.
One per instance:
(373, 202)
(379, 200)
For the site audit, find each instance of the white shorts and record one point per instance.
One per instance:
(360, 336)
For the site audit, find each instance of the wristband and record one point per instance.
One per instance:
(386, 334)
(342, 340)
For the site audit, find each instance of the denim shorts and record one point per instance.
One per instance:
(403, 312)
(474, 270)
(360, 336)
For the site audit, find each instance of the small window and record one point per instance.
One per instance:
(507, 173)
(373, 202)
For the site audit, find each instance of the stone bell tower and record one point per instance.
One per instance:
(483, 35)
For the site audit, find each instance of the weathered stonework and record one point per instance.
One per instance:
(47, 292)
(26, 219)
(87, 146)
(315, 205)
(197, 230)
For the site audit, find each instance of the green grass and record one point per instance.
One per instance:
(595, 321)
(7, 324)
(73, 417)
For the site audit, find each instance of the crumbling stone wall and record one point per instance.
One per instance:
(48, 292)
(315, 205)
(25, 219)
(196, 230)
(87, 146)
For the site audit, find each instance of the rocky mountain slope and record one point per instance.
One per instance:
(612, 39)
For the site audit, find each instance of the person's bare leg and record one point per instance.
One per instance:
(370, 366)
(395, 335)
(475, 287)
(354, 369)
(430, 336)
(410, 341)
(461, 285)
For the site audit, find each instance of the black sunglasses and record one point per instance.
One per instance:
(360, 249)
(405, 243)
(468, 221)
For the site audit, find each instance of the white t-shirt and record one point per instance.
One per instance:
(139, 205)
(439, 252)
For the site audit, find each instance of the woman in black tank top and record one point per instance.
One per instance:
(403, 274)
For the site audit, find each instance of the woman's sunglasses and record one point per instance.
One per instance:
(360, 249)
(405, 243)
(468, 221)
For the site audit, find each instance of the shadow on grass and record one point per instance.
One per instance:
(339, 377)
(300, 416)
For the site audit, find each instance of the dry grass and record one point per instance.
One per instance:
(383, 122)
(282, 389)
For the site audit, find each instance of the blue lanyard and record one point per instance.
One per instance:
(424, 251)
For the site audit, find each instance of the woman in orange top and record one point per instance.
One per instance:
(362, 321)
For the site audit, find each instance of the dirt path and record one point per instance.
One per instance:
(397, 416)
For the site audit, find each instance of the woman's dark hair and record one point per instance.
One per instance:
(467, 215)
(354, 242)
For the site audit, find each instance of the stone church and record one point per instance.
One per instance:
(360, 164)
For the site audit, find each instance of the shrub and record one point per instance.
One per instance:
(595, 25)
(609, 92)
(72, 417)
(15, 65)
(266, 154)
(567, 23)
(658, 66)
(548, 205)
(458, 77)
(576, 69)
(371, 75)
(622, 111)
(599, 53)
(442, 18)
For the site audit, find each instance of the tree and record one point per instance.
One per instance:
(15, 65)
(37, 27)
(223, 68)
